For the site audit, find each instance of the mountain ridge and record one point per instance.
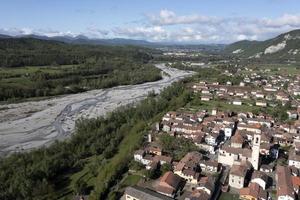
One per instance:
(284, 47)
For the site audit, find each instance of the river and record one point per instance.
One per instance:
(28, 125)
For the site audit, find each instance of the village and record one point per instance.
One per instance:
(212, 153)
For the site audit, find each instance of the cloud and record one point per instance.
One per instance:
(156, 33)
(30, 31)
(167, 17)
(91, 32)
(168, 26)
(284, 20)
(94, 32)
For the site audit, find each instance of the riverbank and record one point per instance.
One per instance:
(29, 125)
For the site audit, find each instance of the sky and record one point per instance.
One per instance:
(180, 21)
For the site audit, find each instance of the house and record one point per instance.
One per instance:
(256, 128)
(169, 184)
(294, 158)
(284, 184)
(212, 138)
(207, 184)
(139, 157)
(281, 96)
(209, 166)
(154, 149)
(140, 193)
(205, 91)
(259, 178)
(206, 97)
(188, 167)
(198, 195)
(260, 120)
(259, 95)
(237, 102)
(229, 155)
(292, 114)
(228, 130)
(253, 192)
(266, 168)
(166, 126)
(261, 103)
(296, 183)
(237, 176)
(237, 140)
(163, 159)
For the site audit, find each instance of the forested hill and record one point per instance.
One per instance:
(16, 52)
(285, 47)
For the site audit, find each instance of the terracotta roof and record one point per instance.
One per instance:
(259, 174)
(198, 195)
(189, 161)
(238, 151)
(171, 180)
(296, 181)
(211, 163)
(165, 190)
(237, 138)
(255, 191)
(239, 170)
(284, 182)
(255, 126)
(207, 182)
(167, 159)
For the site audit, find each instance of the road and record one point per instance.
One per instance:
(29, 125)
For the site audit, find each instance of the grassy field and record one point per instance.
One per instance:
(280, 69)
(197, 105)
(228, 196)
(130, 180)
(23, 75)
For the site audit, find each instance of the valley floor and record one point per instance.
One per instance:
(33, 124)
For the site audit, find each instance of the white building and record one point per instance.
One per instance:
(237, 176)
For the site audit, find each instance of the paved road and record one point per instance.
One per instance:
(54, 119)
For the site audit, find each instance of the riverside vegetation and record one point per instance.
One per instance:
(92, 159)
(38, 68)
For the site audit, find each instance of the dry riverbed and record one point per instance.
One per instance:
(29, 125)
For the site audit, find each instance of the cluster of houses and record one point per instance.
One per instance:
(250, 155)
(253, 91)
(242, 94)
(241, 157)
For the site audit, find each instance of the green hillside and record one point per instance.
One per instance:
(285, 47)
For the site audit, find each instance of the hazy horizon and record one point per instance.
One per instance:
(191, 21)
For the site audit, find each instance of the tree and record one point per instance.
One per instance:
(165, 168)
(80, 187)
